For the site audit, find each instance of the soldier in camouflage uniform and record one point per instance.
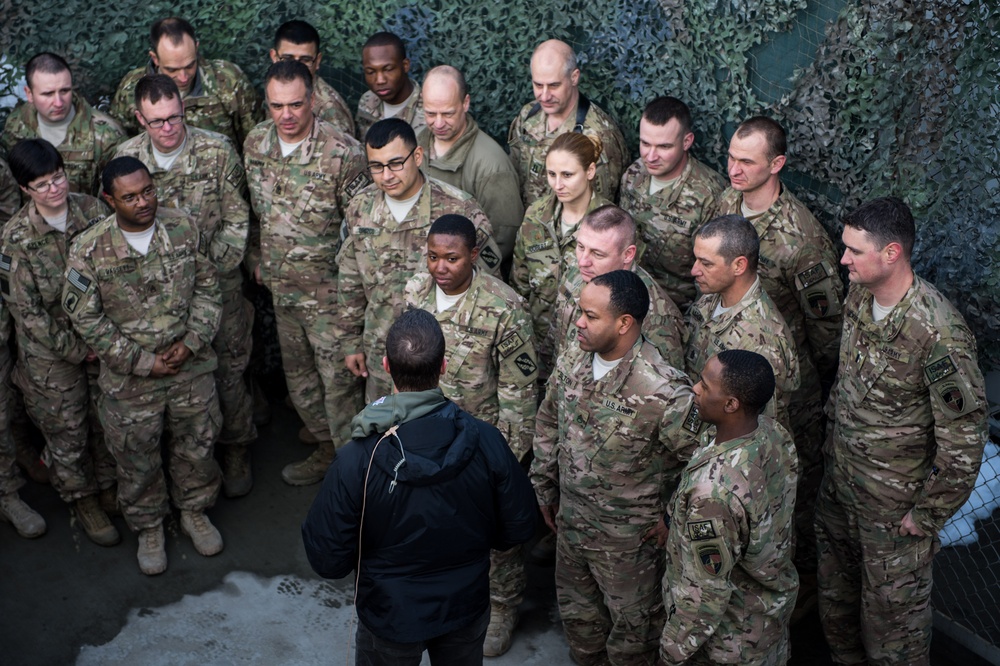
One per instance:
(605, 242)
(391, 93)
(386, 243)
(13, 509)
(798, 270)
(10, 195)
(560, 107)
(734, 312)
(546, 242)
(298, 40)
(670, 194)
(56, 370)
(491, 372)
(302, 174)
(218, 96)
(461, 154)
(908, 412)
(730, 584)
(608, 450)
(85, 137)
(143, 294)
(200, 172)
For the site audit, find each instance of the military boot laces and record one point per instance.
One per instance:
(95, 522)
(152, 553)
(206, 539)
(499, 634)
(25, 520)
(312, 469)
(237, 479)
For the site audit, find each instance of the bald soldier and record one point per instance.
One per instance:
(391, 92)
(298, 40)
(85, 137)
(670, 194)
(217, 95)
(460, 154)
(560, 107)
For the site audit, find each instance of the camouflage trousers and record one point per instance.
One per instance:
(610, 603)
(507, 577)
(325, 394)
(189, 409)
(62, 400)
(233, 344)
(807, 420)
(874, 584)
(10, 476)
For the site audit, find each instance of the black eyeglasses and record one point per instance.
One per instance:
(55, 181)
(394, 165)
(157, 123)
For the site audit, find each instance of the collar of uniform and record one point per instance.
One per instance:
(707, 308)
(75, 220)
(123, 250)
(79, 124)
(199, 87)
(538, 124)
(888, 328)
(418, 217)
(614, 381)
(668, 195)
(706, 453)
(272, 148)
(459, 152)
(180, 163)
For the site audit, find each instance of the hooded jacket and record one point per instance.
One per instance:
(437, 495)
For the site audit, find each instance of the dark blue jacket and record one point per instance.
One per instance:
(425, 539)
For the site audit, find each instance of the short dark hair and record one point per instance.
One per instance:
(45, 62)
(173, 28)
(387, 39)
(118, 167)
(296, 32)
(773, 133)
(661, 110)
(385, 131)
(628, 293)
(154, 87)
(414, 347)
(748, 377)
(455, 225)
(33, 158)
(288, 71)
(886, 220)
(739, 238)
(610, 217)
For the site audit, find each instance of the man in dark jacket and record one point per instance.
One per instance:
(413, 504)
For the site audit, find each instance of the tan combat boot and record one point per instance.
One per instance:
(206, 539)
(108, 499)
(312, 469)
(95, 522)
(152, 553)
(25, 520)
(237, 479)
(503, 619)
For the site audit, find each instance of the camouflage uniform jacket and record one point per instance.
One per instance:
(730, 585)
(541, 255)
(370, 111)
(222, 100)
(609, 452)
(10, 193)
(490, 350)
(478, 165)
(663, 325)
(529, 140)
(331, 107)
(127, 307)
(89, 144)
(668, 221)
(207, 181)
(799, 271)
(380, 255)
(910, 409)
(753, 324)
(32, 275)
(300, 201)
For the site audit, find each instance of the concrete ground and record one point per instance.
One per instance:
(64, 600)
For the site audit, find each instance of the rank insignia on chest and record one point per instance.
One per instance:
(711, 559)
(700, 530)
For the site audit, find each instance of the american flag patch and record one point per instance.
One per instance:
(77, 280)
(5, 262)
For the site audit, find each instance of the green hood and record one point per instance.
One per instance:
(389, 410)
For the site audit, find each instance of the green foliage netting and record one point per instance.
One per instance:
(894, 97)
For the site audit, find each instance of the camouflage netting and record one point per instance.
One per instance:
(879, 96)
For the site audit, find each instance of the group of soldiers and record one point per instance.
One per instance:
(676, 369)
